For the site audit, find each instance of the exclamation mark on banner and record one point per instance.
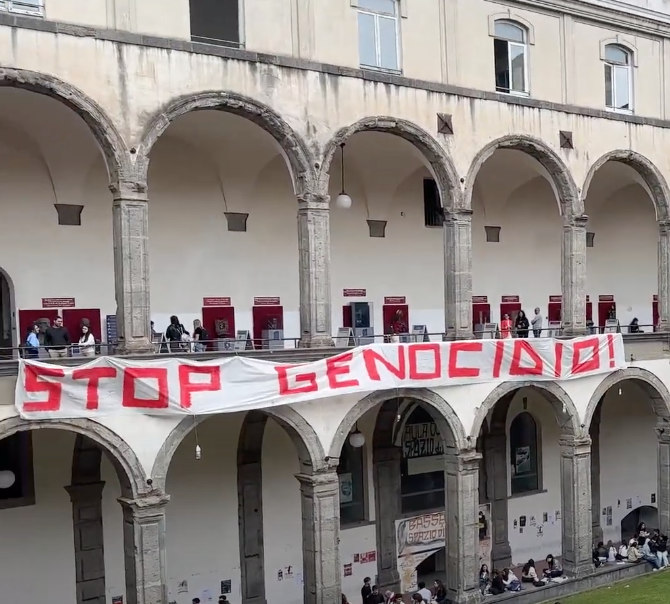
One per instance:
(610, 349)
(558, 350)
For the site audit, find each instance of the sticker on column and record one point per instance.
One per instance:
(182, 587)
(348, 570)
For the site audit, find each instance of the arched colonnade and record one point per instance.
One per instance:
(473, 461)
(309, 164)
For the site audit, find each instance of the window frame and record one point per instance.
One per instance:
(536, 458)
(376, 16)
(355, 454)
(512, 43)
(22, 8)
(241, 30)
(613, 66)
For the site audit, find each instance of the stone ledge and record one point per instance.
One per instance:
(122, 37)
(555, 591)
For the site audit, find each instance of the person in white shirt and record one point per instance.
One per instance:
(537, 324)
(424, 592)
(86, 342)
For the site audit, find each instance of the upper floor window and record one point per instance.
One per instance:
(216, 22)
(523, 444)
(378, 34)
(618, 81)
(28, 7)
(351, 472)
(510, 51)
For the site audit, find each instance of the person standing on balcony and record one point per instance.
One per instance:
(522, 325)
(506, 327)
(537, 324)
(57, 340)
(86, 341)
(31, 347)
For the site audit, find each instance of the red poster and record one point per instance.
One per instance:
(214, 301)
(372, 556)
(357, 558)
(58, 303)
(354, 293)
(391, 300)
(606, 298)
(348, 570)
(480, 299)
(510, 299)
(267, 301)
(555, 299)
(364, 558)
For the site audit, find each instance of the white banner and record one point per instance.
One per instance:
(113, 385)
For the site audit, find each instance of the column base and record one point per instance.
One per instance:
(319, 340)
(472, 596)
(135, 346)
(580, 571)
(575, 332)
(501, 556)
(389, 579)
(457, 335)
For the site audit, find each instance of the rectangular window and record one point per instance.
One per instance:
(26, 7)
(352, 485)
(378, 36)
(432, 208)
(510, 66)
(617, 86)
(216, 22)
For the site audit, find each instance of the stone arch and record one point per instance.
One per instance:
(131, 474)
(654, 181)
(564, 408)
(449, 424)
(440, 164)
(109, 139)
(655, 389)
(299, 158)
(305, 439)
(556, 172)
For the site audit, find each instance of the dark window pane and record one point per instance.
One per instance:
(501, 59)
(432, 208)
(421, 503)
(215, 22)
(523, 454)
(352, 485)
(13, 457)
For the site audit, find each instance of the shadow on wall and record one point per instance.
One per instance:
(646, 514)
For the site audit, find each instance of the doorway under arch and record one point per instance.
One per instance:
(7, 314)
(645, 513)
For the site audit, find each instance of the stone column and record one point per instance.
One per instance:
(461, 479)
(89, 547)
(576, 521)
(320, 494)
(387, 475)
(573, 275)
(314, 266)
(495, 445)
(458, 274)
(131, 267)
(663, 489)
(664, 275)
(596, 527)
(144, 549)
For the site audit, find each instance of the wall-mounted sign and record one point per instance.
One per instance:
(555, 299)
(421, 440)
(58, 303)
(354, 293)
(267, 301)
(480, 299)
(605, 298)
(510, 299)
(216, 301)
(391, 300)
(588, 298)
(655, 297)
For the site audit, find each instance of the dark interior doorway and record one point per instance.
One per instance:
(6, 317)
(646, 514)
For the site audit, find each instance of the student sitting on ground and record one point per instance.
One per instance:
(634, 554)
(595, 558)
(484, 578)
(510, 580)
(497, 585)
(648, 549)
(529, 574)
(642, 530)
(602, 552)
(553, 569)
(623, 552)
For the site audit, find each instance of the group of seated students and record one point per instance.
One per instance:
(498, 582)
(643, 547)
(370, 594)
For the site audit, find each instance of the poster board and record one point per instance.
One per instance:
(554, 329)
(420, 333)
(612, 326)
(243, 340)
(489, 331)
(158, 340)
(345, 338)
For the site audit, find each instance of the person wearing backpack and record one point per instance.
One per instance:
(200, 336)
(175, 333)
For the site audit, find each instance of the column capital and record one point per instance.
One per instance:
(310, 200)
(664, 227)
(85, 492)
(129, 190)
(464, 461)
(578, 221)
(458, 214)
(145, 508)
(574, 445)
(322, 482)
(663, 434)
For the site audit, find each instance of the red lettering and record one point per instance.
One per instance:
(300, 378)
(187, 388)
(339, 365)
(456, 371)
(372, 357)
(435, 371)
(131, 377)
(93, 375)
(558, 365)
(592, 360)
(498, 358)
(522, 347)
(34, 384)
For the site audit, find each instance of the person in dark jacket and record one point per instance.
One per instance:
(366, 590)
(57, 340)
(522, 325)
(175, 333)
